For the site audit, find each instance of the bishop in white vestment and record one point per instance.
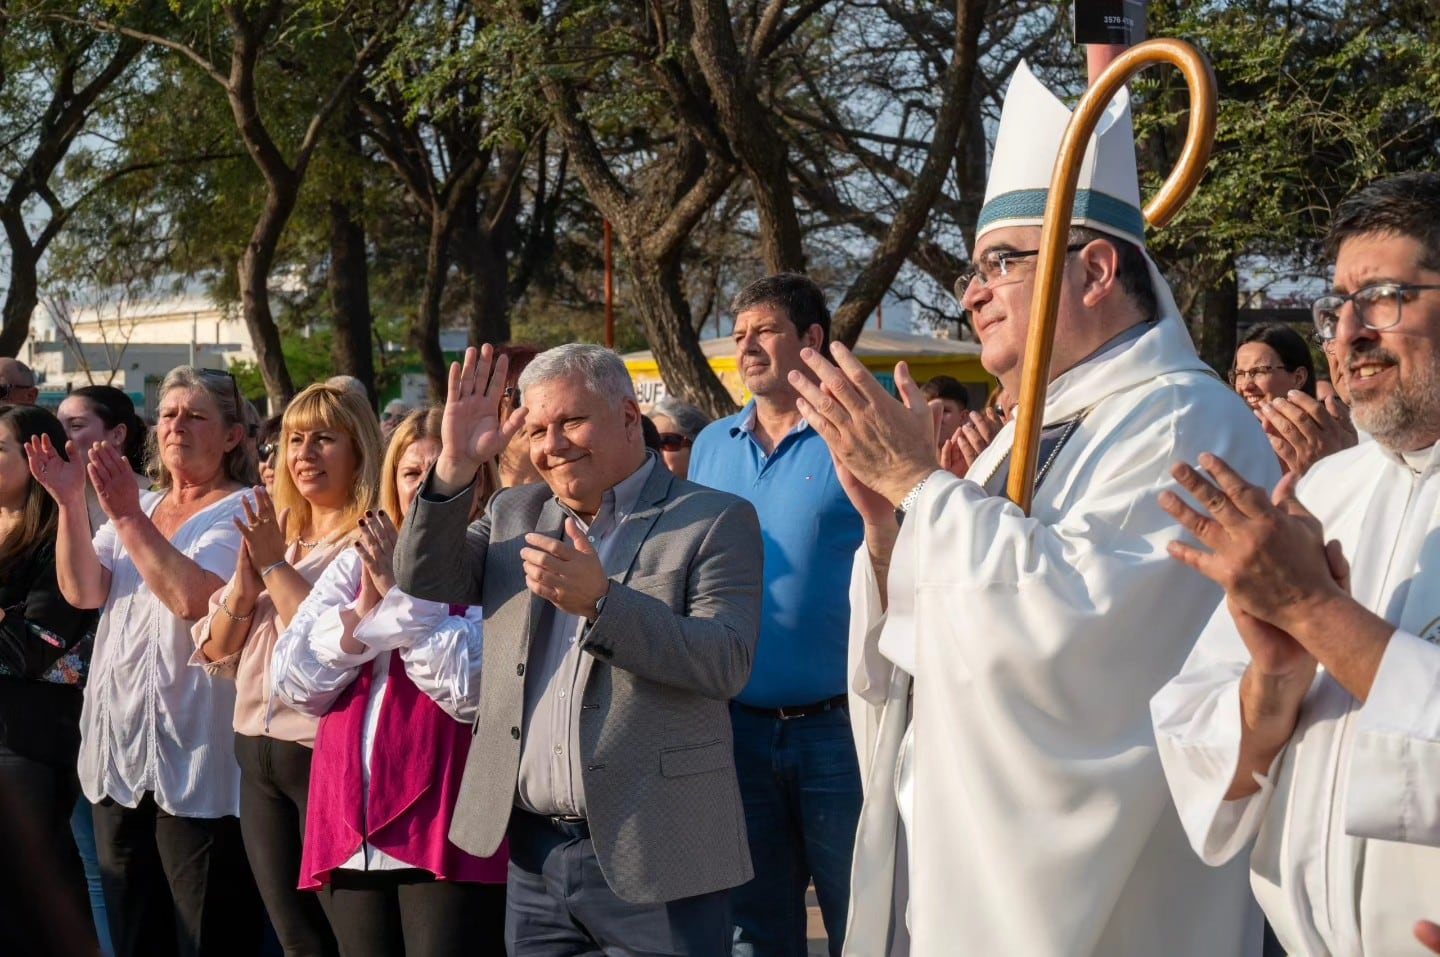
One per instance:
(1308, 722)
(1003, 663)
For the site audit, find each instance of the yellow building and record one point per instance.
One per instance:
(878, 350)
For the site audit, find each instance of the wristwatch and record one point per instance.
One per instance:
(599, 605)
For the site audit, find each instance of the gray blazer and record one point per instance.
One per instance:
(674, 642)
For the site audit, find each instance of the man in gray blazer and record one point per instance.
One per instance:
(622, 608)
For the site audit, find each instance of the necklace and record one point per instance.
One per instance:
(304, 544)
(1070, 428)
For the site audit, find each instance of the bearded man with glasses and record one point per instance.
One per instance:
(1306, 724)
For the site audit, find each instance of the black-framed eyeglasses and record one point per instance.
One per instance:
(1377, 306)
(674, 441)
(234, 389)
(267, 450)
(1237, 375)
(996, 264)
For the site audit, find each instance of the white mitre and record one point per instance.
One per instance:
(1107, 194)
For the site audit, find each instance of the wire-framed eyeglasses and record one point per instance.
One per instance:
(996, 264)
(1378, 306)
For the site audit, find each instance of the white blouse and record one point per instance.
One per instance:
(441, 653)
(149, 722)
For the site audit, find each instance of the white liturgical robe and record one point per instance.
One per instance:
(1038, 820)
(1347, 821)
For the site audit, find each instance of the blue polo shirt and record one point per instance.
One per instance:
(811, 532)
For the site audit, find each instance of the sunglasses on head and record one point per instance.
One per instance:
(234, 389)
(674, 441)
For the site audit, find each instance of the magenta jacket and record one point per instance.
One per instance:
(415, 767)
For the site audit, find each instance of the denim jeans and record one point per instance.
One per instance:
(82, 825)
(800, 782)
(558, 904)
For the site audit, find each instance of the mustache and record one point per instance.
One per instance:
(1372, 354)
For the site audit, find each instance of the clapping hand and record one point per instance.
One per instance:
(1268, 552)
(262, 530)
(961, 450)
(1303, 430)
(114, 481)
(566, 574)
(471, 432)
(376, 546)
(1428, 933)
(60, 475)
(246, 584)
(887, 444)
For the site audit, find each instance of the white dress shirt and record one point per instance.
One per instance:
(311, 669)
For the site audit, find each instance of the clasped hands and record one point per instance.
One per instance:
(1269, 554)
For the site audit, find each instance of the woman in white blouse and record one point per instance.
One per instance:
(156, 752)
(391, 677)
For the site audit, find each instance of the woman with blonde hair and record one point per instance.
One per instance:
(156, 751)
(362, 656)
(327, 475)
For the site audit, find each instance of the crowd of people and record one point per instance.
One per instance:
(531, 671)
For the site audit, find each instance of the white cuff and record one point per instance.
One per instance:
(1394, 771)
(325, 641)
(399, 620)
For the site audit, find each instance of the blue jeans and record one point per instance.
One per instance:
(82, 825)
(800, 781)
(558, 904)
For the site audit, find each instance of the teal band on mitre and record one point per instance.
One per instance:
(1099, 209)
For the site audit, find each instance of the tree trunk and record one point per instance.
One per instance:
(749, 128)
(253, 271)
(665, 314)
(489, 292)
(425, 334)
(349, 283)
(486, 263)
(23, 292)
(1215, 325)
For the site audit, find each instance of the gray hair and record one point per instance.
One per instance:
(602, 371)
(687, 418)
(224, 391)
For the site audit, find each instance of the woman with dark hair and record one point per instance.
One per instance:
(1275, 374)
(102, 413)
(157, 754)
(44, 653)
(267, 449)
(1272, 361)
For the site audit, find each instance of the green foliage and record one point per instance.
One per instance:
(1313, 103)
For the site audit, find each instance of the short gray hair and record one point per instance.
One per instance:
(599, 368)
(687, 418)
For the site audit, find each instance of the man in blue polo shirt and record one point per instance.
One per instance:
(794, 751)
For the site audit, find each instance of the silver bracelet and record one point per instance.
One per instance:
(270, 568)
(908, 502)
(226, 609)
